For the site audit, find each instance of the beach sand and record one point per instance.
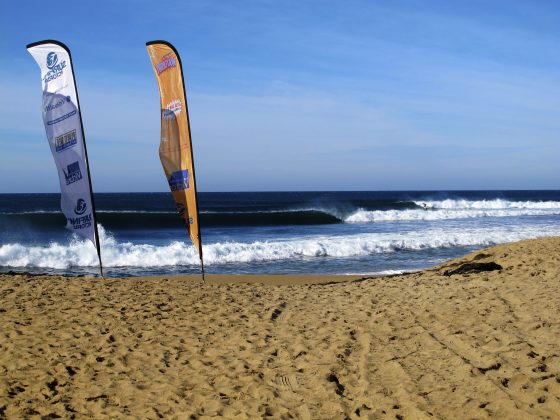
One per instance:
(419, 345)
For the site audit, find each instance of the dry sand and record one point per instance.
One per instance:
(411, 346)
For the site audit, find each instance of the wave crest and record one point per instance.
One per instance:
(496, 204)
(364, 216)
(80, 253)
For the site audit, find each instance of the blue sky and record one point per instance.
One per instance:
(298, 95)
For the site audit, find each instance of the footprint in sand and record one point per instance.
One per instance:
(289, 382)
(278, 312)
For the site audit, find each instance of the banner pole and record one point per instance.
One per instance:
(95, 230)
(192, 163)
(202, 270)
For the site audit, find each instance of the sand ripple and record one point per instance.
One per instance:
(421, 345)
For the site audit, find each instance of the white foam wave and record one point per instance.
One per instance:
(488, 204)
(80, 253)
(365, 216)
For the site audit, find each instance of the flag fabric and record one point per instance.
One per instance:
(64, 128)
(175, 149)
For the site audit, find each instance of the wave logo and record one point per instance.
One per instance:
(56, 68)
(167, 62)
(81, 206)
(52, 59)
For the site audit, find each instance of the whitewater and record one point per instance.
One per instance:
(274, 232)
(458, 209)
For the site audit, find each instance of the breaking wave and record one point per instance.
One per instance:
(458, 209)
(495, 204)
(170, 219)
(398, 211)
(79, 253)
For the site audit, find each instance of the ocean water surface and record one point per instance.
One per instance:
(273, 232)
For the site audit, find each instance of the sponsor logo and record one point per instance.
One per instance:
(81, 206)
(65, 141)
(82, 222)
(73, 174)
(179, 180)
(172, 110)
(59, 119)
(167, 62)
(59, 103)
(56, 68)
(52, 59)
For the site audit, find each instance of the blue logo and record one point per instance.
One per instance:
(55, 67)
(59, 103)
(179, 180)
(81, 206)
(73, 174)
(52, 59)
(65, 141)
(82, 222)
(59, 119)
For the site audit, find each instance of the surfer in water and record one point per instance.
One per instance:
(425, 206)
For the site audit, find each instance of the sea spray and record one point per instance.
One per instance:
(298, 233)
(77, 253)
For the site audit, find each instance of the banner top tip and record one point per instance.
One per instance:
(48, 41)
(160, 41)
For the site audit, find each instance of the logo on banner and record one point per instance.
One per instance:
(65, 141)
(167, 62)
(73, 174)
(81, 222)
(172, 109)
(55, 68)
(59, 103)
(179, 180)
(81, 206)
(59, 119)
(52, 59)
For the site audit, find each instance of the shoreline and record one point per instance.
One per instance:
(417, 345)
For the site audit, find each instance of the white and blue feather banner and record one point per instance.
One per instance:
(63, 125)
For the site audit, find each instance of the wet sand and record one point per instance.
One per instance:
(419, 345)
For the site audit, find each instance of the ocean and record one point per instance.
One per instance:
(273, 232)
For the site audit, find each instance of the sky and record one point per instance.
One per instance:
(297, 95)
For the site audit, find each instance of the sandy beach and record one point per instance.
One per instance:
(418, 345)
